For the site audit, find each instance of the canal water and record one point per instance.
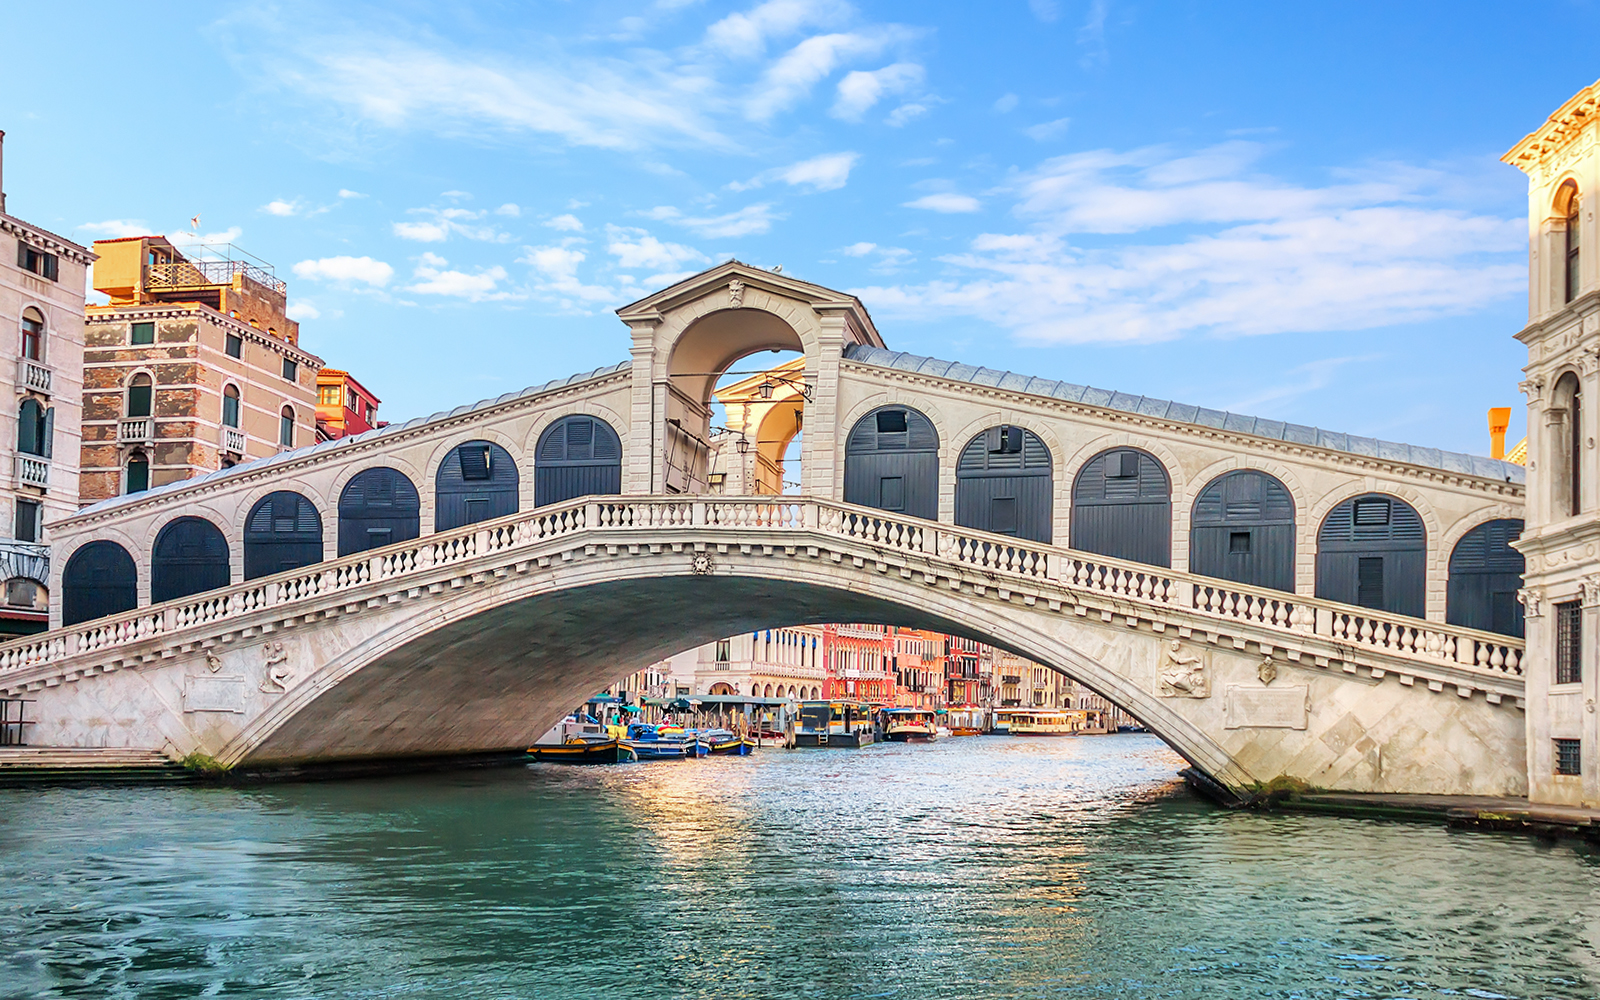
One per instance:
(973, 868)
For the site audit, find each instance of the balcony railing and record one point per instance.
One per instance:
(136, 429)
(33, 375)
(232, 440)
(33, 471)
(190, 273)
(1011, 679)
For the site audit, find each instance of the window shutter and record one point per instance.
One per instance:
(51, 261)
(28, 428)
(49, 432)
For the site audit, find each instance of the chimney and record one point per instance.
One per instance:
(2, 171)
(1499, 420)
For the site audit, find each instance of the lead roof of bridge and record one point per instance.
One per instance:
(1187, 413)
(1160, 409)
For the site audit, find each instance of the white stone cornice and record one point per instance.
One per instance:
(46, 240)
(102, 315)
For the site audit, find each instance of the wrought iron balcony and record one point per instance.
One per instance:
(231, 440)
(193, 273)
(133, 430)
(1011, 679)
(33, 470)
(33, 375)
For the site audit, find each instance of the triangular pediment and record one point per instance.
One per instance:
(716, 281)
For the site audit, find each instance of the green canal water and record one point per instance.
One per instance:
(973, 868)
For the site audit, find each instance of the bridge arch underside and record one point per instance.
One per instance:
(487, 671)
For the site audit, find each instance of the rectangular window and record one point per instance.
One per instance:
(139, 400)
(45, 265)
(1239, 542)
(892, 493)
(291, 371)
(724, 650)
(891, 421)
(1122, 465)
(377, 538)
(1569, 642)
(233, 345)
(1372, 513)
(328, 395)
(1572, 234)
(1003, 515)
(138, 475)
(142, 333)
(286, 429)
(1569, 756)
(475, 463)
(27, 527)
(1369, 582)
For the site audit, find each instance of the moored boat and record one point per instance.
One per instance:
(834, 724)
(909, 725)
(582, 751)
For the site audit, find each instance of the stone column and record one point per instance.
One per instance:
(644, 416)
(824, 439)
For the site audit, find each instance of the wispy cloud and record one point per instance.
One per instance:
(116, 229)
(281, 208)
(751, 219)
(946, 202)
(860, 90)
(1046, 131)
(438, 224)
(432, 276)
(636, 248)
(1216, 246)
(827, 172)
(568, 223)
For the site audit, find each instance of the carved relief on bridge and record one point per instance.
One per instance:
(276, 674)
(1182, 673)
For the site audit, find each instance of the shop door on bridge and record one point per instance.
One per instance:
(1485, 575)
(1122, 507)
(576, 457)
(99, 580)
(1372, 551)
(891, 461)
(378, 507)
(476, 482)
(283, 532)
(190, 557)
(1243, 530)
(1004, 484)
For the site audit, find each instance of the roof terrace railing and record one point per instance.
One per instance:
(193, 273)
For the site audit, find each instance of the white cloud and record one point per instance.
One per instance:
(858, 249)
(946, 202)
(827, 172)
(1045, 10)
(1220, 248)
(745, 34)
(905, 113)
(422, 232)
(637, 248)
(344, 269)
(1006, 103)
(792, 76)
(439, 224)
(556, 275)
(566, 223)
(431, 278)
(347, 193)
(117, 229)
(1045, 131)
(510, 210)
(860, 90)
(300, 310)
(554, 262)
(281, 207)
(757, 218)
(183, 239)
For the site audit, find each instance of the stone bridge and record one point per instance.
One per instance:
(1272, 599)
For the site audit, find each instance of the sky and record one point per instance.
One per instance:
(1295, 211)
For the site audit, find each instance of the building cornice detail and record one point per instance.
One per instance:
(1541, 149)
(344, 450)
(46, 240)
(174, 310)
(1406, 470)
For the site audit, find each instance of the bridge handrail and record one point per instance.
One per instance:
(997, 556)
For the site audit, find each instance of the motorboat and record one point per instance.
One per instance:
(909, 725)
(584, 751)
(834, 724)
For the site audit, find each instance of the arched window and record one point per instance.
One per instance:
(286, 427)
(35, 428)
(768, 691)
(190, 556)
(1004, 484)
(32, 334)
(576, 457)
(1485, 573)
(1574, 230)
(140, 396)
(378, 507)
(1242, 529)
(283, 532)
(1122, 507)
(1372, 551)
(137, 477)
(1564, 429)
(99, 579)
(891, 461)
(230, 406)
(476, 481)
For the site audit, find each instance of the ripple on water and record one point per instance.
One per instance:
(973, 868)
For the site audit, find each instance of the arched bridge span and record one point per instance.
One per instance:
(476, 638)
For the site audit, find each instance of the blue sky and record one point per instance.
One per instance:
(1292, 210)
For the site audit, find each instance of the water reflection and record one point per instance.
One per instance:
(978, 867)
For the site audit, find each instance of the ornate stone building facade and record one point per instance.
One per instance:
(1561, 540)
(42, 279)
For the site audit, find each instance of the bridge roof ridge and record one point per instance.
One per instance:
(351, 441)
(1163, 409)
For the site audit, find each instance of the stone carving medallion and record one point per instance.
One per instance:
(700, 564)
(213, 661)
(1182, 674)
(1268, 671)
(736, 294)
(275, 672)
